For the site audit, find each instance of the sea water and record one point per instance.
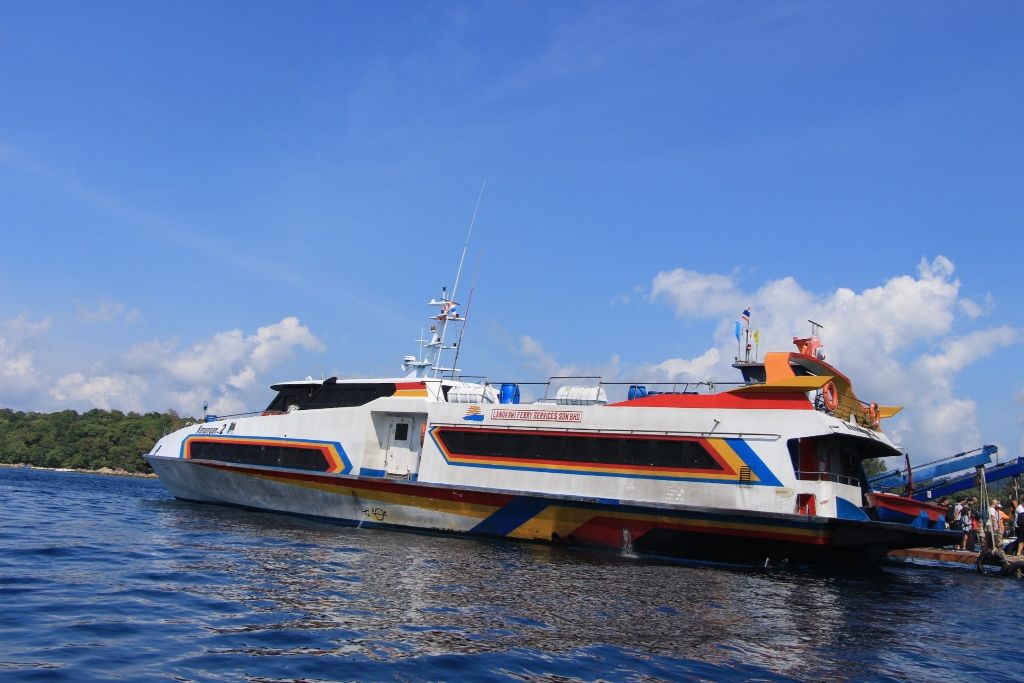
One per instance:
(106, 577)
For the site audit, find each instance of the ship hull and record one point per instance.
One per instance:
(655, 530)
(905, 510)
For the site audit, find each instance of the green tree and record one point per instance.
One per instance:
(91, 440)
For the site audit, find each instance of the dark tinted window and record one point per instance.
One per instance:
(311, 459)
(620, 450)
(401, 431)
(315, 396)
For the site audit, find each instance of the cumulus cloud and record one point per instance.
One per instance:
(957, 353)
(973, 309)
(536, 358)
(544, 362)
(156, 375)
(897, 340)
(120, 391)
(20, 377)
(686, 369)
(105, 311)
(22, 327)
(698, 294)
(274, 343)
(17, 367)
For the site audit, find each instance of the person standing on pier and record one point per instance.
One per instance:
(1018, 523)
(994, 538)
(965, 527)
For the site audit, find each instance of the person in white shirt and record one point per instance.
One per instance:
(1018, 524)
(996, 523)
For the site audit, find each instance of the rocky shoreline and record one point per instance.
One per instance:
(102, 470)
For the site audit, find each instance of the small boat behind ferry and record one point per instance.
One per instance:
(766, 472)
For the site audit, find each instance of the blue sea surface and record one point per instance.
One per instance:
(106, 577)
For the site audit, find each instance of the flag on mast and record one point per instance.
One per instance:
(737, 330)
(746, 315)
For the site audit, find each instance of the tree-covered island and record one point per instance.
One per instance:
(98, 439)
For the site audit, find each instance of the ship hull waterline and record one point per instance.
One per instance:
(654, 530)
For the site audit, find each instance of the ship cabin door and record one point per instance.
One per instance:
(403, 447)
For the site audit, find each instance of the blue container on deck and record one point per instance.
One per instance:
(637, 391)
(212, 418)
(509, 393)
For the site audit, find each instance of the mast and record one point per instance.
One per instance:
(429, 362)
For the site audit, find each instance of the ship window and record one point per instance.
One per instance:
(401, 431)
(546, 448)
(317, 396)
(619, 450)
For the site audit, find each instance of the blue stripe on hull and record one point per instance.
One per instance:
(510, 517)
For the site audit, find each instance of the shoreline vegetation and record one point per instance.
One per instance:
(98, 441)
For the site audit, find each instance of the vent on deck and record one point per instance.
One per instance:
(745, 476)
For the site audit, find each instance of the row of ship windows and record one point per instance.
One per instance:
(268, 456)
(610, 450)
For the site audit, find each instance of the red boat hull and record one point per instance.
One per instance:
(892, 508)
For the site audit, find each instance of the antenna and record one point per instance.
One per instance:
(465, 247)
(458, 275)
(462, 332)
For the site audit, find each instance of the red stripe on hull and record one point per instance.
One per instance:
(607, 532)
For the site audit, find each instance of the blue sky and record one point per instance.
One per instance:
(199, 199)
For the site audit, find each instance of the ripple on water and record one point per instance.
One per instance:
(110, 578)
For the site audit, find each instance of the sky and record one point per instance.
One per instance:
(200, 199)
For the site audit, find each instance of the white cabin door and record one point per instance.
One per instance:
(403, 450)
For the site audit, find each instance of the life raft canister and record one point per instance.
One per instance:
(831, 396)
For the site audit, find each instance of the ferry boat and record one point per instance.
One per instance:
(766, 472)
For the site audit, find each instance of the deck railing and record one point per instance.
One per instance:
(804, 475)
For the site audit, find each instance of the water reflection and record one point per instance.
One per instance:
(386, 595)
(158, 585)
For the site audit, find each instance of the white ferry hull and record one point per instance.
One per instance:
(655, 530)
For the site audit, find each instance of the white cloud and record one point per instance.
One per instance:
(274, 343)
(244, 379)
(696, 294)
(20, 378)
(973, 309)
(119, 391)
(536, 358)
(157, 375)
(22, 327)
(105, 311)
(544, 362)
(958, 353)
(690, 370)
(210, 360)
(16, 367)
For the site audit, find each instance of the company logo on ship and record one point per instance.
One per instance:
(474, 414)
